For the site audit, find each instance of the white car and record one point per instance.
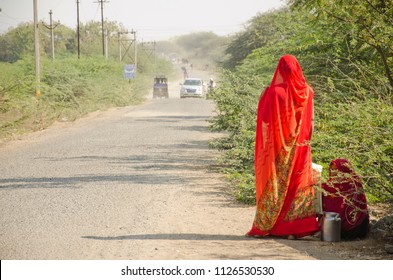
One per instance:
(192, 87)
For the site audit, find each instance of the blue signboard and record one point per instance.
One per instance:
(129, 71)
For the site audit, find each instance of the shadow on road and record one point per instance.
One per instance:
(163, 167)
(170, 236)
(81, 181)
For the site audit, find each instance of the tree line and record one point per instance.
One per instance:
(19, 41)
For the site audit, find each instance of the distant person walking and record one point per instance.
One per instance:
(185, 73)
(283, 167)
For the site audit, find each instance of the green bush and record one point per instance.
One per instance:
(362, 132)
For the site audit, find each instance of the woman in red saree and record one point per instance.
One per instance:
(345, 195)
(283, 166)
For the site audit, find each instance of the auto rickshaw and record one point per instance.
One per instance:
(160, 88)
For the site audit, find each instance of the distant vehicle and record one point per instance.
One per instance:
(160, 88)
(192, 87)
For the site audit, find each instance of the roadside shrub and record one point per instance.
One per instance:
(236, 104)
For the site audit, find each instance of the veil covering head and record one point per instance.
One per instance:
(283, 167)
(289, 71)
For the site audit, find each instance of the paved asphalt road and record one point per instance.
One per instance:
(131, 183)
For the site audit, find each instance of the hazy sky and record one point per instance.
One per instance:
(152, 19)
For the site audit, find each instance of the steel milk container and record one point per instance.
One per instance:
(331, 227)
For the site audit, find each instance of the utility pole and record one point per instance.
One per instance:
(119, 40)
(135, 52)
(129, 42)
(51, 28)
(52, 38)
(106, 44)
(77, 28)
(150, 49)
(101, 2)
(37, 51)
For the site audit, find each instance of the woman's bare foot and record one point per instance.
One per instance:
(291, 237)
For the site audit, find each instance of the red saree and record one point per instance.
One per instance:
(283, 167)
